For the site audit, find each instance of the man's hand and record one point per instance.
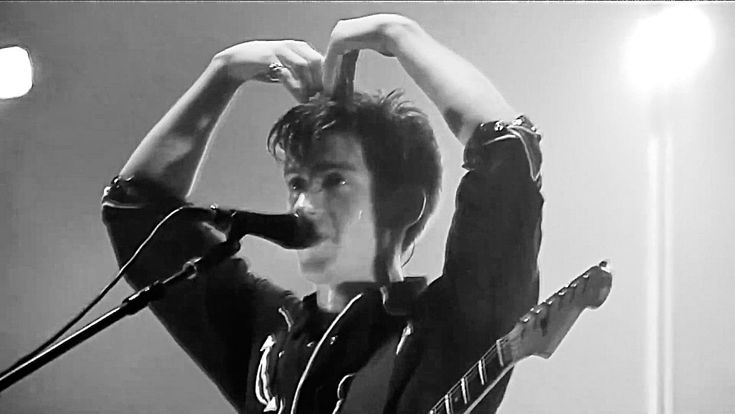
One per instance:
(171, 153)
(377, 32)
(463, 94)
(302, 65)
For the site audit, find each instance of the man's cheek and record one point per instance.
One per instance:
(341, 216)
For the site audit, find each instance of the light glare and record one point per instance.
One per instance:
(16, 73)
(668, 47)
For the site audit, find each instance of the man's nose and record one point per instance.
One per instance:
(310, 204)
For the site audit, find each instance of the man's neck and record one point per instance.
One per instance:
(333, 298)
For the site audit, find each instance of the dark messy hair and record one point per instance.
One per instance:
(398, 145)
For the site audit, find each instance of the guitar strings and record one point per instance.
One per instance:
(469, 374)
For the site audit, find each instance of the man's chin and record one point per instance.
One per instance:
(314, 270)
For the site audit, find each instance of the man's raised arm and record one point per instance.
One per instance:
(217, 317)
(462, 93)
(490, 273)
(172, 151)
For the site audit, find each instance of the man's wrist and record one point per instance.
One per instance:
(221, 69)
(400, 32)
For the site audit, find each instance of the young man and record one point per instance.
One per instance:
(366, 172)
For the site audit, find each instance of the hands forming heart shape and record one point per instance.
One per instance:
(303, 70)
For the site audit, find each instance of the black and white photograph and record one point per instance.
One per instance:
(367, 207)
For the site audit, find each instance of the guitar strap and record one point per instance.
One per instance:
(366, 390)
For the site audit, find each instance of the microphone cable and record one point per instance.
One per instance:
(102, 293)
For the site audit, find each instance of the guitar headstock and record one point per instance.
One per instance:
(541, 330)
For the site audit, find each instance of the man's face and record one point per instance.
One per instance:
(333, 189)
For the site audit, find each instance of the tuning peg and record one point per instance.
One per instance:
(542, 311)
(535, 311)
(586, 278)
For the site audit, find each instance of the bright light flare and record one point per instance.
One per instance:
(16, 72)
(669, 46)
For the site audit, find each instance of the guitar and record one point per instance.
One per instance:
(538, 332)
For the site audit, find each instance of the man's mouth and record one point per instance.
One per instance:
(323, 232)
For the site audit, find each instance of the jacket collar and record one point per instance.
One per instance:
(397, 297)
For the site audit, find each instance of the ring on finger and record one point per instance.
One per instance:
(274, 72)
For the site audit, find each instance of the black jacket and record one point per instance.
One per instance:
(255, 340)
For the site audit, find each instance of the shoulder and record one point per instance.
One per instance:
(496, 141)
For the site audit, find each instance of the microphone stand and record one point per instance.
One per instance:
(131, 305)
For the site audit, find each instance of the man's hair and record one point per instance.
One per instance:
(398, 145)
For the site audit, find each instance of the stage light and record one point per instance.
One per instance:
(668, 47)
(663, 51)
(16, 72)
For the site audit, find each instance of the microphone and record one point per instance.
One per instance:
(290, 231)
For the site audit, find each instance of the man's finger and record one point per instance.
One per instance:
(297, 65)
(315, 61)
(332, 60)
(330, 70)
(292, 84)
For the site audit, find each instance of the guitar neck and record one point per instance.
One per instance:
(477, 382)
(538, 332)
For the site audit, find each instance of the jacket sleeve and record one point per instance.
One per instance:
(494, 240)
(216, 317)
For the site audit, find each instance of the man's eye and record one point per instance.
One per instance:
(334, 180)
(296, 184)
